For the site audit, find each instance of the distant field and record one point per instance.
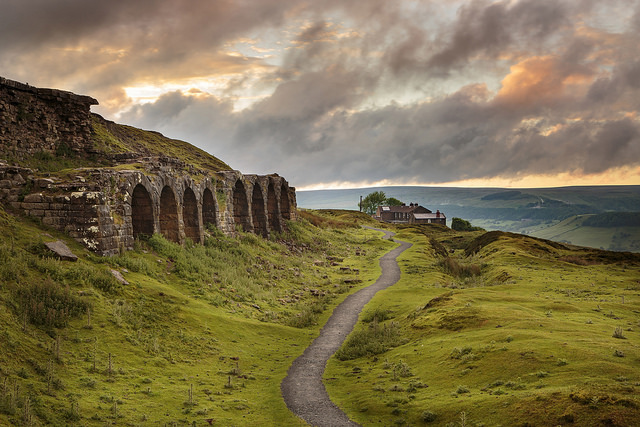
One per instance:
(572, 231)
(552, 213)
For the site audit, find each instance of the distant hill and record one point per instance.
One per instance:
(528, 211)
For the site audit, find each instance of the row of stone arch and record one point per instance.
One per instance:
(181, 212)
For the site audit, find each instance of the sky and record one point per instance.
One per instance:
(341, 93)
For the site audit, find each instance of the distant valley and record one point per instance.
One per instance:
(606, 217)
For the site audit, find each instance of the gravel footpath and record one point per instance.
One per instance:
(302, 389)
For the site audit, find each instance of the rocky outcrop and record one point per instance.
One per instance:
(35, 120)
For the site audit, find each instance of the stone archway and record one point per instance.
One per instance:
(190, 216)
(257, 211)
(241, 207)
(285, 205)
(141, 212)
(169, 215)
(208, 209)
(272, 209)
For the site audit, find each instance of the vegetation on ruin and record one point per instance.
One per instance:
(489, 328)
(113, 139)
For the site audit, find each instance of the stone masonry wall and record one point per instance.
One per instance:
(106, 209)
(97, 207)
(34, 120)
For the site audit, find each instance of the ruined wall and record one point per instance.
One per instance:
(108, 208)
(34, 120)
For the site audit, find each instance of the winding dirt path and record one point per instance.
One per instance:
(302, 389)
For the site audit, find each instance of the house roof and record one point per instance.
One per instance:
(404, 208)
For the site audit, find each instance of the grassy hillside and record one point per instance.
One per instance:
(200, 332)
(497, 329)
(483, 328)
(115, 139)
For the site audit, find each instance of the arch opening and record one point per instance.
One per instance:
(285, 205)
(169, 215)
(258, 212)
(208, 209)
(190, 216)
(241, 207)
(141, 212)
(272, 209)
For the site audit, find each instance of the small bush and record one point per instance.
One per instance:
(401, 369)
(374, 339)
(462, 389)
(378, 315)
(453, 267)
(617, 333)
(49, 304)
(457, 353)
(428, 416)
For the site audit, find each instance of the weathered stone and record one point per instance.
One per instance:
(61, 250)
(119, 277)
(33, 198)
(44, 182)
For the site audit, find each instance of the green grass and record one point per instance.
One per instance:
(112, 138)
(482, 329)
(201, 332)
(536, 341)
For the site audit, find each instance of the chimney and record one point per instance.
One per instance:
(438, 213)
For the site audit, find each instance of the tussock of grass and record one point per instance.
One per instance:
(372, 340)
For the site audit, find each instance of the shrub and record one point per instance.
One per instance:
(462, 389)
(453, 267)
(378, 315)
(460, 224)
(48, 304)
(457, 353)
(617, 333)
(374, 339)
(428, 416)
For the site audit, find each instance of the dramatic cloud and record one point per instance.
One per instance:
(361, 92)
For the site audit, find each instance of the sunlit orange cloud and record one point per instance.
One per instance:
(617, 176)
(535, 78)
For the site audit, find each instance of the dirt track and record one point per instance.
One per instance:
(302, 389)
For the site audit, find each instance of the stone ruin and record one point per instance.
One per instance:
(108, 208)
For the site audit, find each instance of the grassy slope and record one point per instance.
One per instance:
(112, 138)
(224, 320)
(528, 342)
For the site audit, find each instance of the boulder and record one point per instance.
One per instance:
(61, 250)
(119, 277)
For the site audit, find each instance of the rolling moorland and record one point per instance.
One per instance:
(612, 213)
(483, 328)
